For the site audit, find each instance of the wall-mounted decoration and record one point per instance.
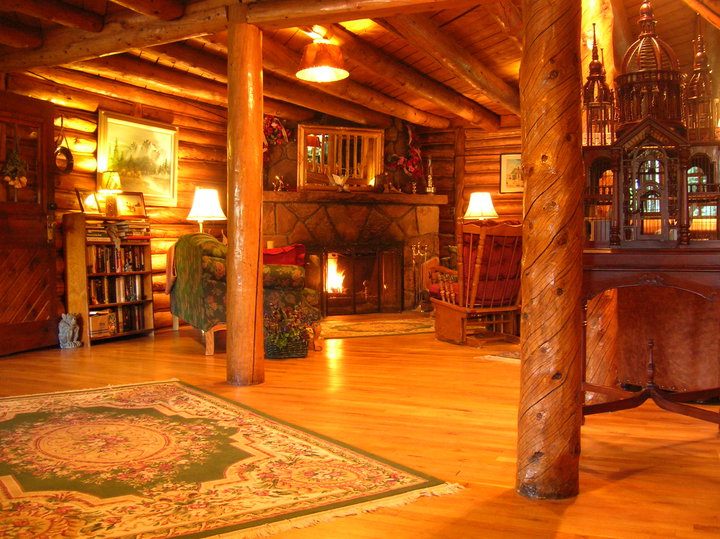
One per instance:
(130, 204)
(511, 180)
(144, 153)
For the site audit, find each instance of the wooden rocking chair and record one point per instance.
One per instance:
(484, 291)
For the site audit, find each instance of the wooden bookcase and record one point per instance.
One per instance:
(110, 288)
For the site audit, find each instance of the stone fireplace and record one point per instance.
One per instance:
(371, 234)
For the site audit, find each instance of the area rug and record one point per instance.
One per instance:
(165, 459)
(335, 329)
(510, 356)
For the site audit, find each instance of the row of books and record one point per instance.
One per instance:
(108, 259)
(123, 230)
(107, 322)
(120, 289)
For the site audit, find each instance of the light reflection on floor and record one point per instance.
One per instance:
(334, 353)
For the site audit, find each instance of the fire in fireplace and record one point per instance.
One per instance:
(362, 279)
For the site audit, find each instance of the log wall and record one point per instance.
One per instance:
(201, 162)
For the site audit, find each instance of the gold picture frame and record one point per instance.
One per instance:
(143, 152)
(130, 204)
(511, 180)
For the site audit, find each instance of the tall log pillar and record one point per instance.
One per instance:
(550, 412)
(245, 356)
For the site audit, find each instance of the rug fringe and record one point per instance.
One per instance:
(109, 386)
(273, 528)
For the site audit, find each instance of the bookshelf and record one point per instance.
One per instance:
(108, 275)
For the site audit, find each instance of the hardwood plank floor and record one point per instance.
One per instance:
(437, 408)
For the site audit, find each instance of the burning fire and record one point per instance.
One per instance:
(335, 278)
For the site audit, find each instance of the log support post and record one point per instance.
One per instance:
(245, 355)
(550, 412)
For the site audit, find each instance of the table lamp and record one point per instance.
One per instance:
(480, 208)
(206, 206)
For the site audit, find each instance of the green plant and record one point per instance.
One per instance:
(283, 325)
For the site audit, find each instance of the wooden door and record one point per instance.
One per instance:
(28, 297)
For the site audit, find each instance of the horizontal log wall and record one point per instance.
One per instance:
(482, 167)
(201, 162)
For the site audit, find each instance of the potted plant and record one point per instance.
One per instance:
(287, 331)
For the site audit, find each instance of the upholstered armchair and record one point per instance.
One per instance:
(197, 295)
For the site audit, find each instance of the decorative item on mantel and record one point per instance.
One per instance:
(410, 163)
(275, 133)
(430, 189)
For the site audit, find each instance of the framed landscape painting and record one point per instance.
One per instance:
(511, 180)
(144, 153)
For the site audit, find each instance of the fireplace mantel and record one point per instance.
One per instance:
(354, 197)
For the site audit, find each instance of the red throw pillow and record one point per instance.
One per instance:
(293, 255)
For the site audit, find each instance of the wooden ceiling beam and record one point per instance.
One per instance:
(166, 10)
(279, 59)
(125, 31)
(421, 32)
(708, 10)
(508, 17)
(57, 12)
(118, 90)
(400, 74)
(286, 13)
(137, 72)
(19, 36)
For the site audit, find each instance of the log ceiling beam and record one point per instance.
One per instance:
(420, 31)
(508, 17)
(286, 13)
(125, 31)
(57, 12)
(708, 10)
(283, 61)
(137, 72)
(166, 10)
(400, 74)
(18, 35)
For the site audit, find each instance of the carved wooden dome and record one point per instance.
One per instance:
(650, 83)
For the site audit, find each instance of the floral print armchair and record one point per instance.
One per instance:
(198, 294)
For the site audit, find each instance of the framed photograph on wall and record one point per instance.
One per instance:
(144, 153)
(511, 180)
(130, 204)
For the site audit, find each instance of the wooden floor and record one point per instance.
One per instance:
(438, 408)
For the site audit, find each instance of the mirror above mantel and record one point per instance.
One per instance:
(339, 158)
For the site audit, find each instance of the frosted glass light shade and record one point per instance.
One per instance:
(321, 61)
(206, 206)
(480, 207)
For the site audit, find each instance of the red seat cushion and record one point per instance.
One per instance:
(293, 255)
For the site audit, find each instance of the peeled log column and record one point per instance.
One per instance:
(550, 412)
(245, 353)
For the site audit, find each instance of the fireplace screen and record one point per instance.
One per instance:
(358, 280)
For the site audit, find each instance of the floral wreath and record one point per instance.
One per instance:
(275, 134)
(411, 162)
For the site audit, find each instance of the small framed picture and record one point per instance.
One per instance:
(511, 180)
(88, 201)
(130, 205)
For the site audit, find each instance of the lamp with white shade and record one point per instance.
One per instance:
(480, 207)
(206, 206)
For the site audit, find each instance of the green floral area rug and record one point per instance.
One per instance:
(164, 459)
(336, 329)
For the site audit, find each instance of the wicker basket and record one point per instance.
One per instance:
(298, 348)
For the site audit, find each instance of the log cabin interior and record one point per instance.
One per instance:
(609, 105)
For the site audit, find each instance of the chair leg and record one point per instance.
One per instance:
(175, 323)
(210, 338)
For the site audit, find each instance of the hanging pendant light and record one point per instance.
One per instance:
(321, 61)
